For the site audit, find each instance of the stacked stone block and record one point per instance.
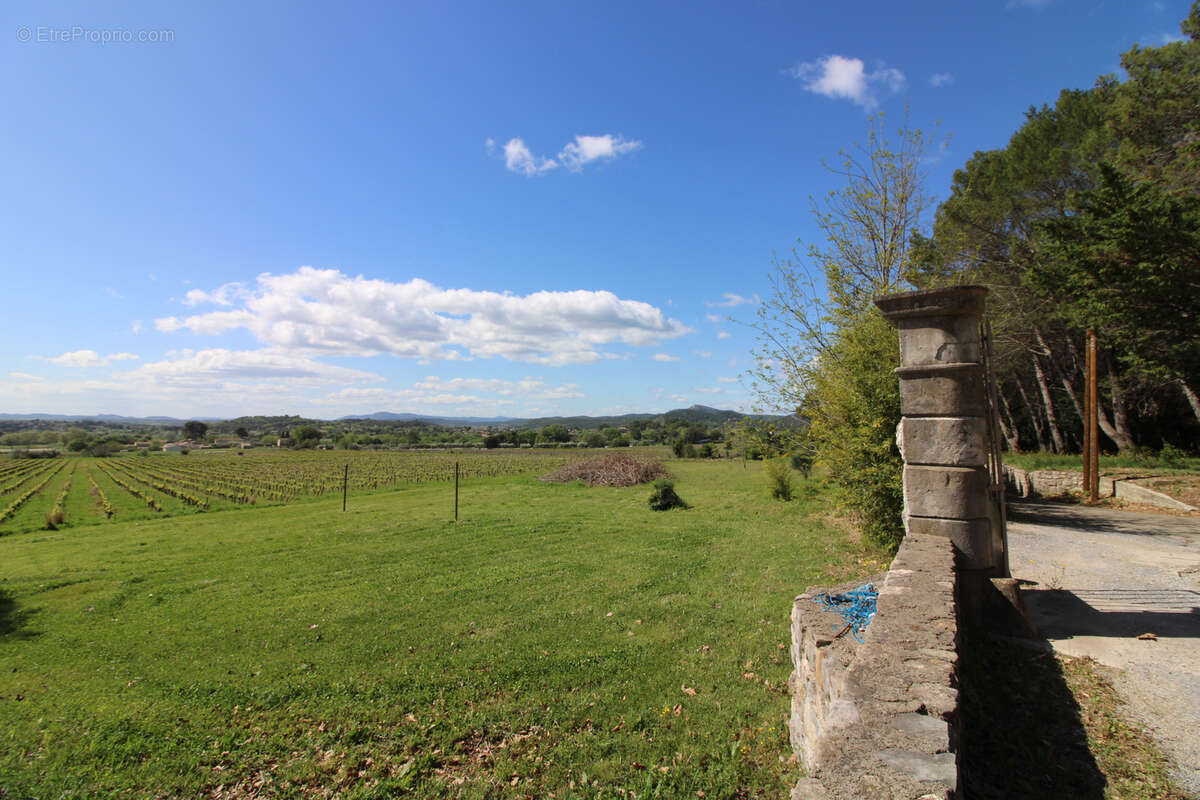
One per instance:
(943, 434)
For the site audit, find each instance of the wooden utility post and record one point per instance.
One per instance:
(456, 491)
(1092, 468)
(1087, 414)
(345, 485)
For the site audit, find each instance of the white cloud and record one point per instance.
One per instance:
(89, 358)
(939, 79)
(730, 300)
(846, 78)
(714, 318)
(665, 357)
(724, 335)
(206, 368)
(519, 158)
(324, 311)
(727, 380)
(225, 295)
(136, 327)
(702, 353)
(708, 389)
(584, 150)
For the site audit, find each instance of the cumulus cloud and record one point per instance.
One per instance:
(324, 311)
(844, 78)
(225, 295)
(214, 366)
(730, 300)
(724, 335)
(574, 155)
(702, 353)
(519, 158)
(89, 358)
(939, 79)
(665, 357)
(727, 380)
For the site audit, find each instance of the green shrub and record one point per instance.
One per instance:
(1172, 456)
(802, 462)
(779, 474)
(664, 496)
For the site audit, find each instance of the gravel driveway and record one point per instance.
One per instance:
(1105, 577)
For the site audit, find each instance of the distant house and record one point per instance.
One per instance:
(185, 444)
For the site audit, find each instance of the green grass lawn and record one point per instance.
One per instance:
(558, 641)
(1148, 463)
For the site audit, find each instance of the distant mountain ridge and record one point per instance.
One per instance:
(696, 413)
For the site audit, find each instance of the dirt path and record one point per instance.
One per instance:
(1105, 577)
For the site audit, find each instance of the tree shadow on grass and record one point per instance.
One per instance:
(13, 619)
(1023, 735)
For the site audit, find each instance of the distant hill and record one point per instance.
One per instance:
(698, 414)
(115, 419)
(450, 422)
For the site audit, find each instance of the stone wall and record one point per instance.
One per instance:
(878, 719)
(1058, 483)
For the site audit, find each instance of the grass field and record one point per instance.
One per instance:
(1148, 464)
(558, 641)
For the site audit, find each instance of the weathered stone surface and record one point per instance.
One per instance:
(809, 789)
(940, 767)
(935, 730)
(846, 695)
(946, 492)
(939, 340)
(972, 538)
(941, 390)
(952, 441)
(964, 300)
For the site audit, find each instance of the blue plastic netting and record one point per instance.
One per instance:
(857, 607)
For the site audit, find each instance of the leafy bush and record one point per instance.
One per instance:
(802, 462)
(664, 497)
(1172, 456)
(780, 476)
(616, 470)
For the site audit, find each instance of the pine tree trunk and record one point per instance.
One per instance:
(1056, 438)
(1190, 394)
(1064, 377)
(1038, 428)
(1008, 430)
(1121, 436)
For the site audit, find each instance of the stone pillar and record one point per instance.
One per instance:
(943, 433)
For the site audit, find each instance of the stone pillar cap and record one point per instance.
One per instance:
(953, 301)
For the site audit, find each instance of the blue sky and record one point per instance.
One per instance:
(460, 208)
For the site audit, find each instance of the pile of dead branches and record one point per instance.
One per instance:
(614, 470)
